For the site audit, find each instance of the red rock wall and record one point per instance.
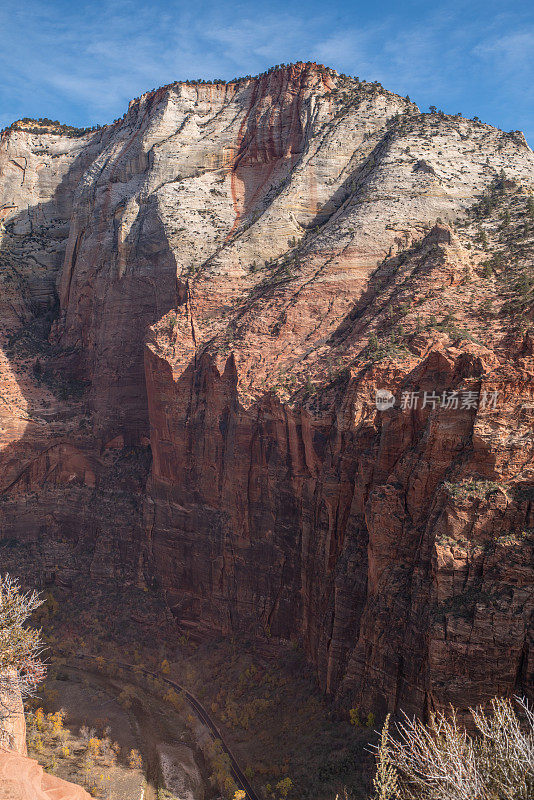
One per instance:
(215, 302)
(340, 531)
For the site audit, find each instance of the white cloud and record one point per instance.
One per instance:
(91, 65)
(510, 55)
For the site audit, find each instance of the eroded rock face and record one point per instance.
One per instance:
(12, 721)
(24, 779)
(219, 306)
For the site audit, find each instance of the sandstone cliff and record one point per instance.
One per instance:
(12, 721)
(23, 779)
(199, 303)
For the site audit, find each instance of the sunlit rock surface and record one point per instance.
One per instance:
(189, 312)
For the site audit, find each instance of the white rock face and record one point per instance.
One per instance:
(180, 772)
(38, 178)
(179, 206)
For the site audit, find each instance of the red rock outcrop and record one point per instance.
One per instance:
(24, 779)
(12, 721)
(21, 778)
(220, 310)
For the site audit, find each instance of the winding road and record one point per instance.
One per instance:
(237, 773)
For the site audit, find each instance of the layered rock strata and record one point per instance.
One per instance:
(200, 302)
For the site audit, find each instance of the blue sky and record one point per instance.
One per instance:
(81, 62)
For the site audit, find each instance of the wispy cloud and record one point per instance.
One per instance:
(511, 57)
(84, 62)
(515, 48)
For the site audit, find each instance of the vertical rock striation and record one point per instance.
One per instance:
(238, 268)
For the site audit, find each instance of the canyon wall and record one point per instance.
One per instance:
(199, 304)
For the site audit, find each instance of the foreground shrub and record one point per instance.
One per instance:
(21, 668)
(441, 761)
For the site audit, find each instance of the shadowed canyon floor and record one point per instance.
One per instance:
(198, 305)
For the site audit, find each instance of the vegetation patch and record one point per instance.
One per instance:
(473, 488)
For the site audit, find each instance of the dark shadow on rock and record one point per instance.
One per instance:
(71, 510)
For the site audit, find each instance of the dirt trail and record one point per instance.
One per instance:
(172, 760)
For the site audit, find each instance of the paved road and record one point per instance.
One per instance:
(237, 774)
